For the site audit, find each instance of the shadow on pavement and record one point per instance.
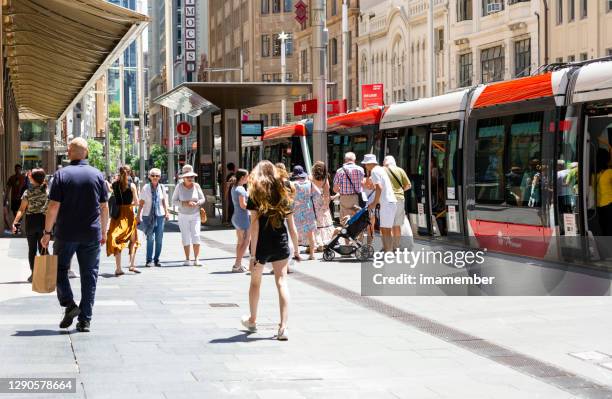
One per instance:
(40, 333)
(244, 337)
(15, 282)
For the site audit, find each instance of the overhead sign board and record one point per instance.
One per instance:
(372, 95)
(305, 107)
(190, 29)
(251, 128)
(336, 107)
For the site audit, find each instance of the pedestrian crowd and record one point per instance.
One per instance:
(273, 212)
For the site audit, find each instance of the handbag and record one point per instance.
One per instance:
(203, 216)
(44, 279)
(361, 201)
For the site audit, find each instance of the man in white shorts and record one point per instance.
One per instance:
(400, 183)
(384, 196)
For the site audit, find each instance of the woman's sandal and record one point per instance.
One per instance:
(311, 257)
(134, 270)
(297, 258)
(119, 273)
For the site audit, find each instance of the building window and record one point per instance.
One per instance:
(276, 45)
(440, 39)
(510, 2)
(571, 58)
(334, 7)
(609, 6)
(265, 45)
(492, 64)
(559, 12)
(276, 6)
(464, 10)
(559, 60)
(333, 46)
(264, 119)
(245, 52)
(266, 77)
(584, 56)
(304, 58)
(465, 70)
(265, 6)
(288, 5)
(275, 119)
(289, 44)
(491, 7)
(571, 10)
(522, 58)
(609, 52)
(584, 8)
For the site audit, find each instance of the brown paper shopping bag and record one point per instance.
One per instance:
(45, 273)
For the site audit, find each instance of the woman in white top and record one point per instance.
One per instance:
(189, 198)
(152, 214)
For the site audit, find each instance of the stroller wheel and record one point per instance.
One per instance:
(328, 255)
(363, 253)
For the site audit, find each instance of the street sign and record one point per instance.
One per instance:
(183, 128)
(305, 107)
(372, 95)
(336, 107)
(300, 12)
(190, 34)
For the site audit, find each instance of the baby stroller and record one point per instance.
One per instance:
(353, 229)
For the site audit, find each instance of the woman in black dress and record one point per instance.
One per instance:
(270, 201)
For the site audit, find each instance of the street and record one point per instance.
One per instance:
(174, 332)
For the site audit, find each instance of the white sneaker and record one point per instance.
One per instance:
(251, 327)
(283, 334)
(239, 269)
(197, 262)
(149, 264)
(187, 263)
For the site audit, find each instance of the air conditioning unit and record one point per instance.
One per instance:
(494, 7)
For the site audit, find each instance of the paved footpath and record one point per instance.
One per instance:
(174, 332)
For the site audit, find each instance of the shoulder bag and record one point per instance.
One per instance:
(361, 200)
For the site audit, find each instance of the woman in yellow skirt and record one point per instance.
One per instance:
(123, 231)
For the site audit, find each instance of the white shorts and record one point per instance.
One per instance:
(387, 214)
(190, 228)
(400, 214)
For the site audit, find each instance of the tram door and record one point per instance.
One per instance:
(429, 155)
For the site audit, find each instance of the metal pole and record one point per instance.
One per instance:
(345, 50)
(170, 86)
(107, 135)
(121, 109)
(141, 99)
(283, 38)
(319, 80)
(432, 52)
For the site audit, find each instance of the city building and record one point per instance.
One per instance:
(157, 56)
(303, 43)
(494, 40)
(579, 29)
(394, 47)
(250, 29)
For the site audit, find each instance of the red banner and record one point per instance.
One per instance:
(305, 107)
(336, 107)
(372, 95)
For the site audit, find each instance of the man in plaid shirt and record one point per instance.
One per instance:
(347, 183)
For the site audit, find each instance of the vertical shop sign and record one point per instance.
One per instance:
(190, 36)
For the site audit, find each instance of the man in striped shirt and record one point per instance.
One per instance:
(347, 183)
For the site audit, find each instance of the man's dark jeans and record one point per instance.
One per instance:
(88, 256)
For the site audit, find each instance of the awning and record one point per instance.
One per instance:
(57, 49)
(193, 98)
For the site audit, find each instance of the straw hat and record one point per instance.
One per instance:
(187, 172)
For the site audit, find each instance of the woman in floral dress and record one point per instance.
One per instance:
(321, 200)
(303, 209)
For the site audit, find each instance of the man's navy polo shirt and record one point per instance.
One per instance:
(79, 188)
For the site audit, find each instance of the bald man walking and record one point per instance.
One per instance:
(78, 208)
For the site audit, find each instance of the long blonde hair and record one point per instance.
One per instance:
(268, 191)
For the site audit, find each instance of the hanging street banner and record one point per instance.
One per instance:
(301, 14)
(190, 36)
(372, 95)
(305, 107)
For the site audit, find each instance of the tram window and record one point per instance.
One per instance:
(524, 161)
(452, 169)
(489, 161)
